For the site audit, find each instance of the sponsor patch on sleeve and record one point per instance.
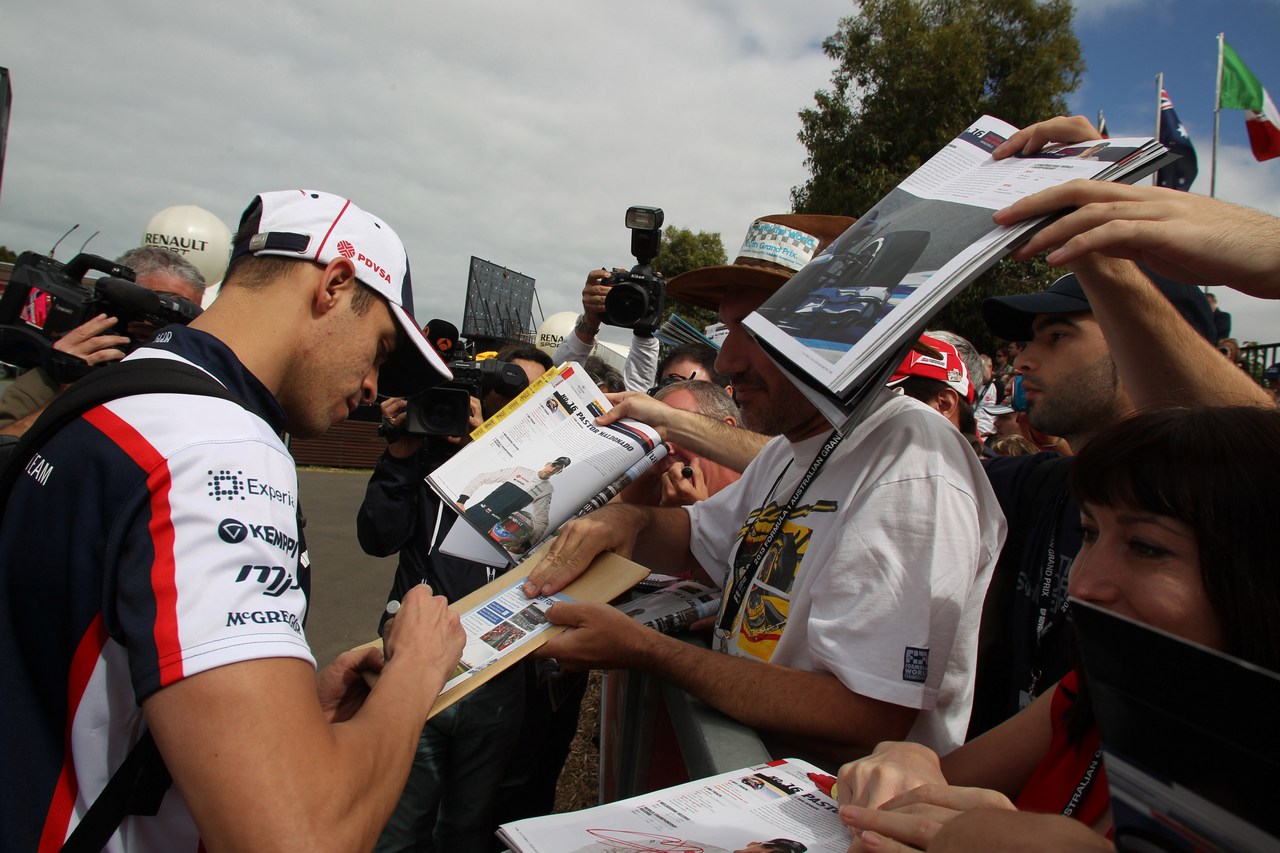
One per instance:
(915, 665)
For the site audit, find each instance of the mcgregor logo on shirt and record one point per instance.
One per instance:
(236, 618)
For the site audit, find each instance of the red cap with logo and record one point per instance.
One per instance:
(946, 367)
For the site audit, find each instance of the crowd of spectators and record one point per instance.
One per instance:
(896, 592)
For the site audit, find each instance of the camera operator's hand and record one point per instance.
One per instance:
(593, 294)
(474, 420)
(395, 412)
(88, 342)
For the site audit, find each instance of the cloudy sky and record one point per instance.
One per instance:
(515, 132)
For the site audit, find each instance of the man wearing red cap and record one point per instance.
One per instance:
(853, 566)
(153, 607)
(939, 381)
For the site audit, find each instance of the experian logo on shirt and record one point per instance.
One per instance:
(261, 487)
(225, 485)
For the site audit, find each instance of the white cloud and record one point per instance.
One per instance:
(515, 132)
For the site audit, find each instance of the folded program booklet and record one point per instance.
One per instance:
(844, 321)
(1189, 744)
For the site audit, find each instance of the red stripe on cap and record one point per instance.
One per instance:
(163, 570)
(320, 248)
(61, 807)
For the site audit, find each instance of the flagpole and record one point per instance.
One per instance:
(1155, 176)
(1217, 110)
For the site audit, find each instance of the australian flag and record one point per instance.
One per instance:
(1179, 174)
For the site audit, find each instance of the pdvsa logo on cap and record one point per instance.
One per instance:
(347, 250)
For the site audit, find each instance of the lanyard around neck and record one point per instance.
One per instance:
(744, 573)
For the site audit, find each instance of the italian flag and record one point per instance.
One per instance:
(1242, 91)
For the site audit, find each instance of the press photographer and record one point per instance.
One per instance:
(448, 409)
(633, 299)
(463, 751)
(59, 328)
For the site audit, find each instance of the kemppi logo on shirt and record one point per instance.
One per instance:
(233, 532)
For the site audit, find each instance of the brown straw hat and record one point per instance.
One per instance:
(775, 248)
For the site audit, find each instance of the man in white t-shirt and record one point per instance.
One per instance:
(859, 619)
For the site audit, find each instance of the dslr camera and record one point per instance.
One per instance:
(636, 298)
(45, 299)
(446, 409)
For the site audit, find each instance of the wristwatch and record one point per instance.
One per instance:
(581, 325)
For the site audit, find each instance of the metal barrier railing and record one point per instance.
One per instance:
(650, 729)
(1259, 357)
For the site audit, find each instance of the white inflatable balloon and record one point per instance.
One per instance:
(194, 233)
(553, 329)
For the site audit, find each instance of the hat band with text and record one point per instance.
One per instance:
(778, 244)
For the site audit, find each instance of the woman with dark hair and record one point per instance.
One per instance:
(1177, 508)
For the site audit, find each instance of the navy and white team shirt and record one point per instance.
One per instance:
(155, 538)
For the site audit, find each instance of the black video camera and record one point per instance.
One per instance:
(636, 298)
(45, 299)
(446, 409)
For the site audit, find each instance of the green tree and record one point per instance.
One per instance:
(910, 75)
(7, 255)
(683, 250)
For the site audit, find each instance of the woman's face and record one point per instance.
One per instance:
(1147, 567)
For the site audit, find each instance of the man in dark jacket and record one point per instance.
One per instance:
(448, 801)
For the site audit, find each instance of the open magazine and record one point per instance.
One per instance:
(719, 814)
(844, 321)
(538, 463)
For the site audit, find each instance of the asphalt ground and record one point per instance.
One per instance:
(348, 587)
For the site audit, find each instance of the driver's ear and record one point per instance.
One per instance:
(336, 278)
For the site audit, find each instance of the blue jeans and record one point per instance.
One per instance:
(448, 801)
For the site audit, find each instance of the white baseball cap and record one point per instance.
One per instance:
(321, 227)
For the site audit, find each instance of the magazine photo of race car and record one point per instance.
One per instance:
(854, 283)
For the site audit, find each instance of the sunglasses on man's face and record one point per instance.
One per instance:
(671, 379)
